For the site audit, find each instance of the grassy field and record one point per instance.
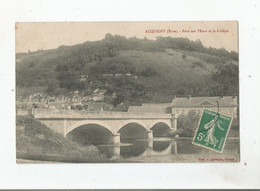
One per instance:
(34, 141)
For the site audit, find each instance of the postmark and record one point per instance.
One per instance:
(212, 130)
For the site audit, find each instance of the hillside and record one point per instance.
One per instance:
(34, 141)
(135, 70)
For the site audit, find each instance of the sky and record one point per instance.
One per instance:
(51, 35)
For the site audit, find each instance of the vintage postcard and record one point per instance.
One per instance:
(127, 92)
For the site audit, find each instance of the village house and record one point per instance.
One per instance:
(117, 75)
(98, 95)
(83, 78)
(95, 107)
(227, 105)
(41, 97)
(128, 74)
(98, 107)
(60, 98)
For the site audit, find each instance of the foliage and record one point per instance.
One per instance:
(150, 70)
(112, 67)
(35, 141)
(227, 80)
(199, 64)
(51, 86)
(119, 99)
(188, 123)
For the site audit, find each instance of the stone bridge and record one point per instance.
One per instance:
(65, 121)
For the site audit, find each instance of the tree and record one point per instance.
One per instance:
(188, 123)
(148, 72)
(51, 87)
(108, 36)
(227, 80)
(119, 99)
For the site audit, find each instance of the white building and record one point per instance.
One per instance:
(227, 105)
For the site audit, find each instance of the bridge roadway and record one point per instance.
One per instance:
(65, 121)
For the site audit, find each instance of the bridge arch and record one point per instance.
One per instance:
(161, 128)
(138, 122)
(162, 122)
(89, 133)
(87, 122)
(132, 129)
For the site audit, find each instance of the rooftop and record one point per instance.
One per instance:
(150, 108)
(204, 101)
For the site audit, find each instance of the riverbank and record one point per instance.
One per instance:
(35, 141)
(24, 161)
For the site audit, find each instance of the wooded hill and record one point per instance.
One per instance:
(136, 70)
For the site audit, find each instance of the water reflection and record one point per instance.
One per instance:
(138, 147)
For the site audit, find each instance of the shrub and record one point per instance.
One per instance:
(35, 141)
(199, 64)
(187, 124)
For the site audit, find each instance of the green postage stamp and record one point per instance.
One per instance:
(212, 130)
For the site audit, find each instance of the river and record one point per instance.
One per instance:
(168, 150)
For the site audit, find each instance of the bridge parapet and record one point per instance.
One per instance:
(79, 114)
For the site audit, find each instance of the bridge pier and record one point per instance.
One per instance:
(174, 122)
(149, 149)
(175, 147)
(150, 144)
(114, 138)
(116, 151)
(150, 134)
(64, 127)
